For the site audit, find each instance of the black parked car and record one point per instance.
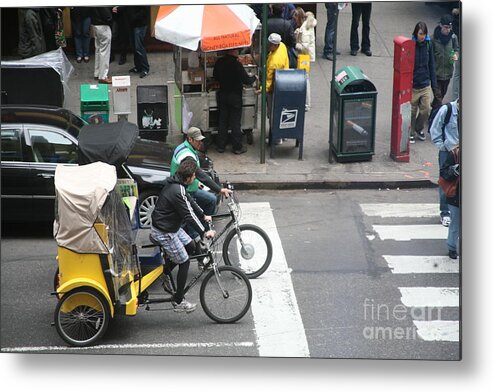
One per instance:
(35, 139)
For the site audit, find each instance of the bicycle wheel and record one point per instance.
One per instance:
(254, 256)
(227, 296)
(82, 316)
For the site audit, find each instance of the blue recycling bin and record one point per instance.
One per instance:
(288, 107)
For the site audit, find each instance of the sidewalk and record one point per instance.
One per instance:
(388, 20)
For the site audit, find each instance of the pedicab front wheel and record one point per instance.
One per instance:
(82, 316)
(225, 295)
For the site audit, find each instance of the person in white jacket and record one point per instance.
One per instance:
(305, 44)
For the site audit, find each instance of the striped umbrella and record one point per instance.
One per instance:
(215, 27)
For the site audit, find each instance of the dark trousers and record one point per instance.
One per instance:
(360, 10)
(330, 28)
(123, 32)
(230, 105)
(140, 54)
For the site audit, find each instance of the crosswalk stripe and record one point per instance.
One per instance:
(422, 264)
(401, 210)
(430, 296)
(411, 232)
(438, 330)
(278, 324)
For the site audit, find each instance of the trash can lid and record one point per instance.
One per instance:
(94, 92)
(352, 79)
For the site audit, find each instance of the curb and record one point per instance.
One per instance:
(320, 185)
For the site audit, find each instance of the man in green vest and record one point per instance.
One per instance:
(188, 150)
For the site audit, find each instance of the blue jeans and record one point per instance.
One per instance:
(330, 28)
(453, 229)
(81, 36)
(444, 207)
(140, 54)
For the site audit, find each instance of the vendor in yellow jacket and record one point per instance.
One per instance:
(277, 59)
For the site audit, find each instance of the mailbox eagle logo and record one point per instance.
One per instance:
(288, 118)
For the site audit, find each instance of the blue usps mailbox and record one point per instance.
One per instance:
(288, 107)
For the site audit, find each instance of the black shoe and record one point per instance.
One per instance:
(123, 59)
(143, 74)
(354, 52)
(452, 254)
(329, 57)
(220, 149)
(367, 52)
(133, 70)
(242, 150)
(421, 135)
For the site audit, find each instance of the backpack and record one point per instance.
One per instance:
(445, 121)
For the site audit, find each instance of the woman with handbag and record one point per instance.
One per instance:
(450, 183)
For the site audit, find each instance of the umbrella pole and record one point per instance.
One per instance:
(264, 76)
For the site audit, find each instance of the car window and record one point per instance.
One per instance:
(11, 145)
(52, 147)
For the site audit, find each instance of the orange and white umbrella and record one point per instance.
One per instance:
(214, 27)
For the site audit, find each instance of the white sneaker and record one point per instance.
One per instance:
(183, 306)
(445, 220)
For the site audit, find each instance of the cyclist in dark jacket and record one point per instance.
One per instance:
(174, 207)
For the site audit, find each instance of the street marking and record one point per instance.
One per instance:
(401, 210)
(278, 324)
(411, 232)
(422, 264)
(430, 296)
(438, 330)
(128, 346)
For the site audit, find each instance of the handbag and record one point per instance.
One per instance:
(450, 187)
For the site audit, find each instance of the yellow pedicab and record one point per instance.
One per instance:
(96, 224)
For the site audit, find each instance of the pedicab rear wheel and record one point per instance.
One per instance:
(82, 316)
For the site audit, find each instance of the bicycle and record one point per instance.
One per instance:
(225, 293)
(247, 246)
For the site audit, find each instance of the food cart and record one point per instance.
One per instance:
(197, 89)
(199, 41)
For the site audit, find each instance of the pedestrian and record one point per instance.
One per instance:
(276, 59)
(446, 51)
(456, 76)
(139, 25)
(101, 20)
(31, 37)
(363, 11)
(189, 149)
(121, 15)
(277, 24)
(49, 23)
(424, 81)
(231, 75)
(450, 171)
(330, 28)
(305, 44)
(445, 133)
(81, 27)
(173, 208)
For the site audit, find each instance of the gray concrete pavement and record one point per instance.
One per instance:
(389, 19)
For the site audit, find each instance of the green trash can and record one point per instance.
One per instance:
(353, 116)
(94, 103)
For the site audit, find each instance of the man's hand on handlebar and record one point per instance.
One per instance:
(226, 192)
(209, 234)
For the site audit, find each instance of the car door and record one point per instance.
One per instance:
(16, 175)
(50, 147)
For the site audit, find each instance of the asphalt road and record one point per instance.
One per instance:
(336, 288)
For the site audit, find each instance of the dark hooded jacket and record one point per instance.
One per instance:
(174, 207)
(424, 65)
(442, 48)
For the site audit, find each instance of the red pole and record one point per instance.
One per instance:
(401, 98)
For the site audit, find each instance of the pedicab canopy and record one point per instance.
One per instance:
(81, 192)
(110, 143)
